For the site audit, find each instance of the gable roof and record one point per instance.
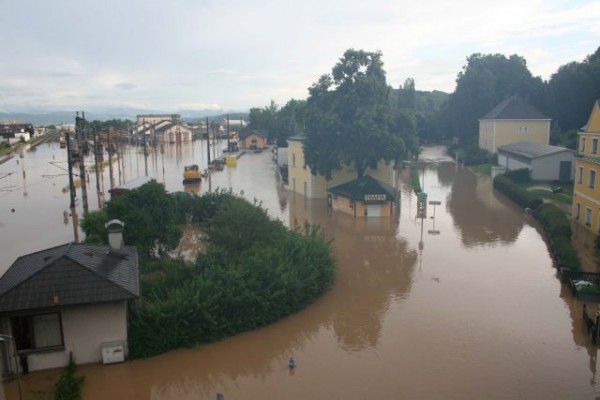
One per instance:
(593, 124)
(532, 150)
(77, 273)
(515, 108)
(358, 188)
(246, 134)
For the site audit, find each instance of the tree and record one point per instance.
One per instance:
(573, 89)
(150, 217)
(349, 117)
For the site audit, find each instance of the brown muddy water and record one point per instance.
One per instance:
(465, 305)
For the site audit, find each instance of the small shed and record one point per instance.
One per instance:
(363, 197)
(546, 162)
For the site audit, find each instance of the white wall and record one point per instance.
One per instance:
(85, 328)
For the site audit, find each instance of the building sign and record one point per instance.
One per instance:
(375, 197)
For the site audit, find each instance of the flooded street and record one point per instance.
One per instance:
(461, 304)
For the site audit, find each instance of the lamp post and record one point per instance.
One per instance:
(14, 343)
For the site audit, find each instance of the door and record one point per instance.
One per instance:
(564, 172)
(373, 210)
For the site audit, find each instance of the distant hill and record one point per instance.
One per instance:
(68, 117)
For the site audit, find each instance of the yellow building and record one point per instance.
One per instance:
(253, 140)
(512, 121)
(302, 181)
(586, 195)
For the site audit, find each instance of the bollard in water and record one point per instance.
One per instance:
(292, 362)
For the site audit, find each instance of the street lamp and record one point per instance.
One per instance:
(14, 342)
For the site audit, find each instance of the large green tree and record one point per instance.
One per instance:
(484, 82)
(573, 89)
(349, 120)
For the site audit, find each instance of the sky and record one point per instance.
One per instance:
(234, 54)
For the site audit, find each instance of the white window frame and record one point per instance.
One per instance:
(592, 182)
(595, 146)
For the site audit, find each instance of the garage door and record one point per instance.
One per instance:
(373, 210)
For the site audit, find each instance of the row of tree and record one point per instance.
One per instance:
(354, 106)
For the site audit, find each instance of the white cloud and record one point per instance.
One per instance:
(240, 54)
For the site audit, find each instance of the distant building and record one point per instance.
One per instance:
(252, 140)
(512, 121)
(586, 193)
(12, 133)
(156, 118)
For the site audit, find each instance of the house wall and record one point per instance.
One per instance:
(347, 206)
(548, 168)
(511, 131)
(486, 135)
(85, 328)
(316, 185)
(512, 162)
(586, 197)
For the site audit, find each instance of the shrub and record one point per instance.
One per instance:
(516, 193)
(519, 175)
(68, 386)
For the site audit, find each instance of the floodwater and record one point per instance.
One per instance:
(462, 304)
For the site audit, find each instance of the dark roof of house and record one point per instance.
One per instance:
(246, 134)
(358, 188)
(74, 272)
(532, 150)
(514, 108)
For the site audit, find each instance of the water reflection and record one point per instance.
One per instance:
(472, 311)
(481, 215)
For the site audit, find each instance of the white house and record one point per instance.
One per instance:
(546, 162)
(67, 300)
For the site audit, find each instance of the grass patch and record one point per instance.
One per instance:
(482, 169)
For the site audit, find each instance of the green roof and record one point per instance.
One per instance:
(358, 189)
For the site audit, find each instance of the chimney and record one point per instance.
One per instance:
(115, 236)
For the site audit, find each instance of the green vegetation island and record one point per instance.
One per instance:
(252, 271)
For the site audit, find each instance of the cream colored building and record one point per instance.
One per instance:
(512, 121)
(302, 181)
(586, 193)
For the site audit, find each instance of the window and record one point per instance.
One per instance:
(37, 332)
(595, 146)
(582, 145)
(588, 216)
(294, 160)
(592, 180)
(577, 210)
(580, 175)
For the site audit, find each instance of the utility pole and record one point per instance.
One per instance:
(228, 144)
(98, 191)
(145, 151)
(110, 167)
(79, 129)
(208, 153)
(72, 187)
